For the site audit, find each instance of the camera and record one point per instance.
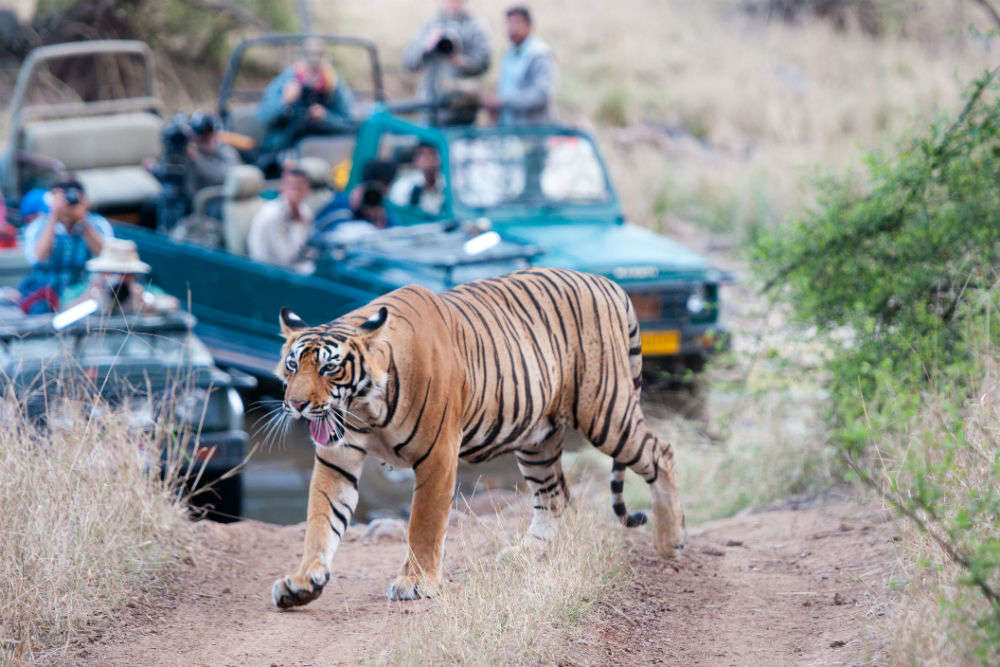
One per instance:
(73, 195)
(372, 194)
(202, 123)
(445, 46)
(175, 137)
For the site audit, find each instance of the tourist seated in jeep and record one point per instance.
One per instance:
(114, 283)
(58, 245)
(305, 99)
(281, 228)
(422, 186)
(363, 202)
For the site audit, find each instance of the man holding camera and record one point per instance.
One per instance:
(58, 245)
(305, 99)
(450, 47)
(527, 76)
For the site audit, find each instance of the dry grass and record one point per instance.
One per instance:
(84, 523)
(522, 609)
(933, 624)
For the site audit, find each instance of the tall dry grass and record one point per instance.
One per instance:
(86, 523)
(934, 622)
(518, 610)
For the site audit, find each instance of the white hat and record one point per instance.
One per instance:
(118, 256)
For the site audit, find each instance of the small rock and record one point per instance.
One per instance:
(734, 543)
(385, 530)
(839, 599)
(845, 528)
(837, 644)
(712, 551)
(131, 605)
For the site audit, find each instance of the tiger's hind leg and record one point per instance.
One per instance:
(541, 467)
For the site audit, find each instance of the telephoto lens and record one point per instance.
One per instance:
(372, 195)
(445, 46)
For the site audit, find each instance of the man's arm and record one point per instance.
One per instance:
(39, 239)
(94, 228)
(213, 168)
(338, 110)
(272, 104)
(413, 55)
(540, 82)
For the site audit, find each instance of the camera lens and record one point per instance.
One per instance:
(72, 195)
(372, 195)
(445, 46)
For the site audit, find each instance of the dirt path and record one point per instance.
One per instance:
(779, 587)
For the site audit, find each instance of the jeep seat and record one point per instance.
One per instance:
(105, 153)
(241, 201)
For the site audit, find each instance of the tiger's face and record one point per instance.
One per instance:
(328, 373)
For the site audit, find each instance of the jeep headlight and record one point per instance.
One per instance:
(697, 300)
(192, 406)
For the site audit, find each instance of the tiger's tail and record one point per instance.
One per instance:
(618, 498)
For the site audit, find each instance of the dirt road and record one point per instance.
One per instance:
(780, 587)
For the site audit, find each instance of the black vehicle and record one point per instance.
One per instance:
(146, 364)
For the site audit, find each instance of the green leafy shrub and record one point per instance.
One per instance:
(900, 267)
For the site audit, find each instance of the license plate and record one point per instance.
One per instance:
(660, 342)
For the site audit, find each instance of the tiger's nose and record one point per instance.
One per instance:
(298, 405)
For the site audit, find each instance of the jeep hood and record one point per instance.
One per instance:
(625, 252)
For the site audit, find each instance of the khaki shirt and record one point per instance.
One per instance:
(277, 239)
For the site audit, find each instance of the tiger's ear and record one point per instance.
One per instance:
(375, 322)
(290, 323)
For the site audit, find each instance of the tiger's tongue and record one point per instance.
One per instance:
(320, 431)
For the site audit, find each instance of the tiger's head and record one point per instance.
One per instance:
(329, 373)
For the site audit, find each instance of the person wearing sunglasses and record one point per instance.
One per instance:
(59, 244)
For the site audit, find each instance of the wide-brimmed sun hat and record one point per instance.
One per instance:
(118, 256)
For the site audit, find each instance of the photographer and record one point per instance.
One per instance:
(450, 47)
(305, 99)
(58, 245)
(193, 158)
(363, 202)
(115, 285)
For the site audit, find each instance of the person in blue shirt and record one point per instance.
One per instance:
(527, 82)
(58, 245)
(305, 99)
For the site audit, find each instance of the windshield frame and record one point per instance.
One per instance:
(603, 209)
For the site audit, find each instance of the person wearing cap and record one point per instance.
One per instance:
(527, 82)
(58, 244)
(422, 187)
(209, 159)
(451, 47)
(305, 99)
(114, 283)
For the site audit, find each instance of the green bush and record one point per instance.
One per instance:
(901, 269)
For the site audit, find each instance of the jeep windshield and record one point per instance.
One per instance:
(534, 169)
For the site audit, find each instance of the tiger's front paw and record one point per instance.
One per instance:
(405, 587)
(298, 589)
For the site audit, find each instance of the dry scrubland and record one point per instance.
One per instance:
(85, 527)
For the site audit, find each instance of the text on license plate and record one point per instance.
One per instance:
(660, 342)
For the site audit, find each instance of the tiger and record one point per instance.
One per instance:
(494, 366)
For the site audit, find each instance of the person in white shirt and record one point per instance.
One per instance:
(280, 230)
(423, 186)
